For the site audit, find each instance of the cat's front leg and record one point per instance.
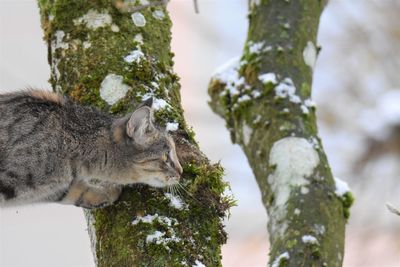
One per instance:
(91, 195)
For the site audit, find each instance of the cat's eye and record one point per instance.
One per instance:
(164, 157)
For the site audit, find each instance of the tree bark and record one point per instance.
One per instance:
(112, 55)
(264, 98)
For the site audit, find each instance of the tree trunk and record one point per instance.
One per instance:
(112, 55)
(265, 99)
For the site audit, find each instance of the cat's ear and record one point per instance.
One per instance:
(147, 103)
(140, 124)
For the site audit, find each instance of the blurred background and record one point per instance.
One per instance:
(357, 90)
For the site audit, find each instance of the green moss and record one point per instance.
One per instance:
(347, 201)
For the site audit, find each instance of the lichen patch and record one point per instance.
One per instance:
(310, 54)
(138, 19)
(294, 159)
(158, 14)
(112, 88)
(94, 20)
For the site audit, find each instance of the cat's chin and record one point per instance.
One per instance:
(157, 182)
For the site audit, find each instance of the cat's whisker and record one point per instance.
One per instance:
(188, 193)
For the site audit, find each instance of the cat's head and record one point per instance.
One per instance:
(150, 150)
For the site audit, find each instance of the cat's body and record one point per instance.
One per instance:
(51, 149)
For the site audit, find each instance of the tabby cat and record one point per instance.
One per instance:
(54, 150)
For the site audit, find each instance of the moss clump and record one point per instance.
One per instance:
(347, 201)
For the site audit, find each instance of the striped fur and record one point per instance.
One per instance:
(51, 150)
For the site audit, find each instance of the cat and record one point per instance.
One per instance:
(54, 150)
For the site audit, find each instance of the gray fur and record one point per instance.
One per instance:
(51, 149)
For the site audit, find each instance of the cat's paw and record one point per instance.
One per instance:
(99, 198)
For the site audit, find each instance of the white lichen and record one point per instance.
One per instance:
(135, 56)
(176, 202)
(246, 132)
(286, 26)
(138, 38)
(86, 44)
(112, 88)
(268, 78)
(304, 190)
(309, 239)
(138, 19)
(319, 229)
(114, 28)
(310, 54)
(297, 211)
(159, 14)
(294, 159)
(58, 41)
(144, 2)
(281, 258)
(341, 187)
(94, 20)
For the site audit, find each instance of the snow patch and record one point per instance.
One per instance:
(255, 47)
(281, 258)
(341, 187)
(229, 75)
(310, 54)
(309, 239)
(268, 78)
(176, 202)
(151, 218)
(134, 56)
(138, 19)
(112, 88)
(198, 263)
(159, 104)
(94, 19)
(160, 238)
(287, 89)
(172, 126)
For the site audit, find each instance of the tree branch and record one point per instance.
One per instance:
(264, 97)
(112, 58)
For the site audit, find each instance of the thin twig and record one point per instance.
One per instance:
(393, 209)
(196, 7)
